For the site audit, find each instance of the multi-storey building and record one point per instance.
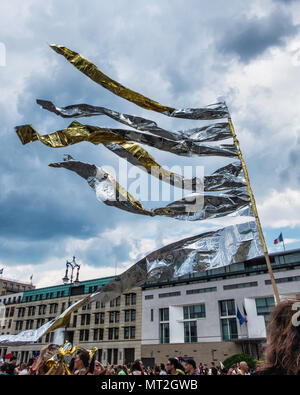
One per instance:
(114, 327)
(8, 287)
(196, 315)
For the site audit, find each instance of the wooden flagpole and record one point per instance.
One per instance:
(255, 213)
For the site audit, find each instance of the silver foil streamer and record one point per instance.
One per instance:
(192, 208)
(215, 132)
(214, 249)
(104, 185)
(227, 177)
(31, 336)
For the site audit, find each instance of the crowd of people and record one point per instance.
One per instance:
(81, 365)
(282, 357)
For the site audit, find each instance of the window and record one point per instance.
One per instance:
(84, 335)
(118, 301)
(164, 314)
(111, 316)
(133, 299)
(190, 332)
(110, 333)
(164, 327)
(132, 332)
(151, 315)
(264, 307)
(283, 280)
(53, 308)
(97, 318)
(42, 309)
(242, 285)
(127, 300)
(195, 311)
(228, 320)
(102, 318)
(200, 291)
(85, 319)
(129, 332)
(117, 316)
(164, 333)
(98, 334)
(126, 332)
(148, 297)
(133, 315)
(227, 308)
(127, 315)
(169, 294)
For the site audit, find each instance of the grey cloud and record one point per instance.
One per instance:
(250, 38)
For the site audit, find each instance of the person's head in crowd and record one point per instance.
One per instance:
(189, 366)
(174, 367)
(136, 367)
(283, 340)
(157, 370)
(4, 368)
(12, 360)
(244, 368)
(98, 368)
(163, 367)
(81, 363)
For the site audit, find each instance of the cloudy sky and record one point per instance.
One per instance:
(179, 52)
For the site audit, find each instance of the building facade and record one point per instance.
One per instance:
(8, 287)
(197, 315)
(114, 328)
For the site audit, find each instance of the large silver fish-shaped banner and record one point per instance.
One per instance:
(213, 249)
(193, 207)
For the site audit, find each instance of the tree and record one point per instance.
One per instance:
(234, 359)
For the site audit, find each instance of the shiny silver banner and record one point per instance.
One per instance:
(77, 132)
(192, 208)
(209, 250)
(215, 132)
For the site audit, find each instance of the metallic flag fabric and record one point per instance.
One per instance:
(226, 192)
(77, 132)
(208, 250)
(193, 207)
(211, 112)
(215, 132)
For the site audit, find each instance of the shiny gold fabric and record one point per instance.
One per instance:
(215, 111)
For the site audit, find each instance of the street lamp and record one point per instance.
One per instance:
(72, 265)
(66, 280)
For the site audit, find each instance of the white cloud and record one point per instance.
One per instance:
(281, 209)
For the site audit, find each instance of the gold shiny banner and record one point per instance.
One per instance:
(77, 132)
(215, 111)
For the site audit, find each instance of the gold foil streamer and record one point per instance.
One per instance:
(76, 133)
(58, 358)
(215, 111)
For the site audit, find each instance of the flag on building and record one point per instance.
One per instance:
(1, 271)
(31, 277)
(279, 239)
(240, 317)
(245, 315)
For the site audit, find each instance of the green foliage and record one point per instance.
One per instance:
(251, 362)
